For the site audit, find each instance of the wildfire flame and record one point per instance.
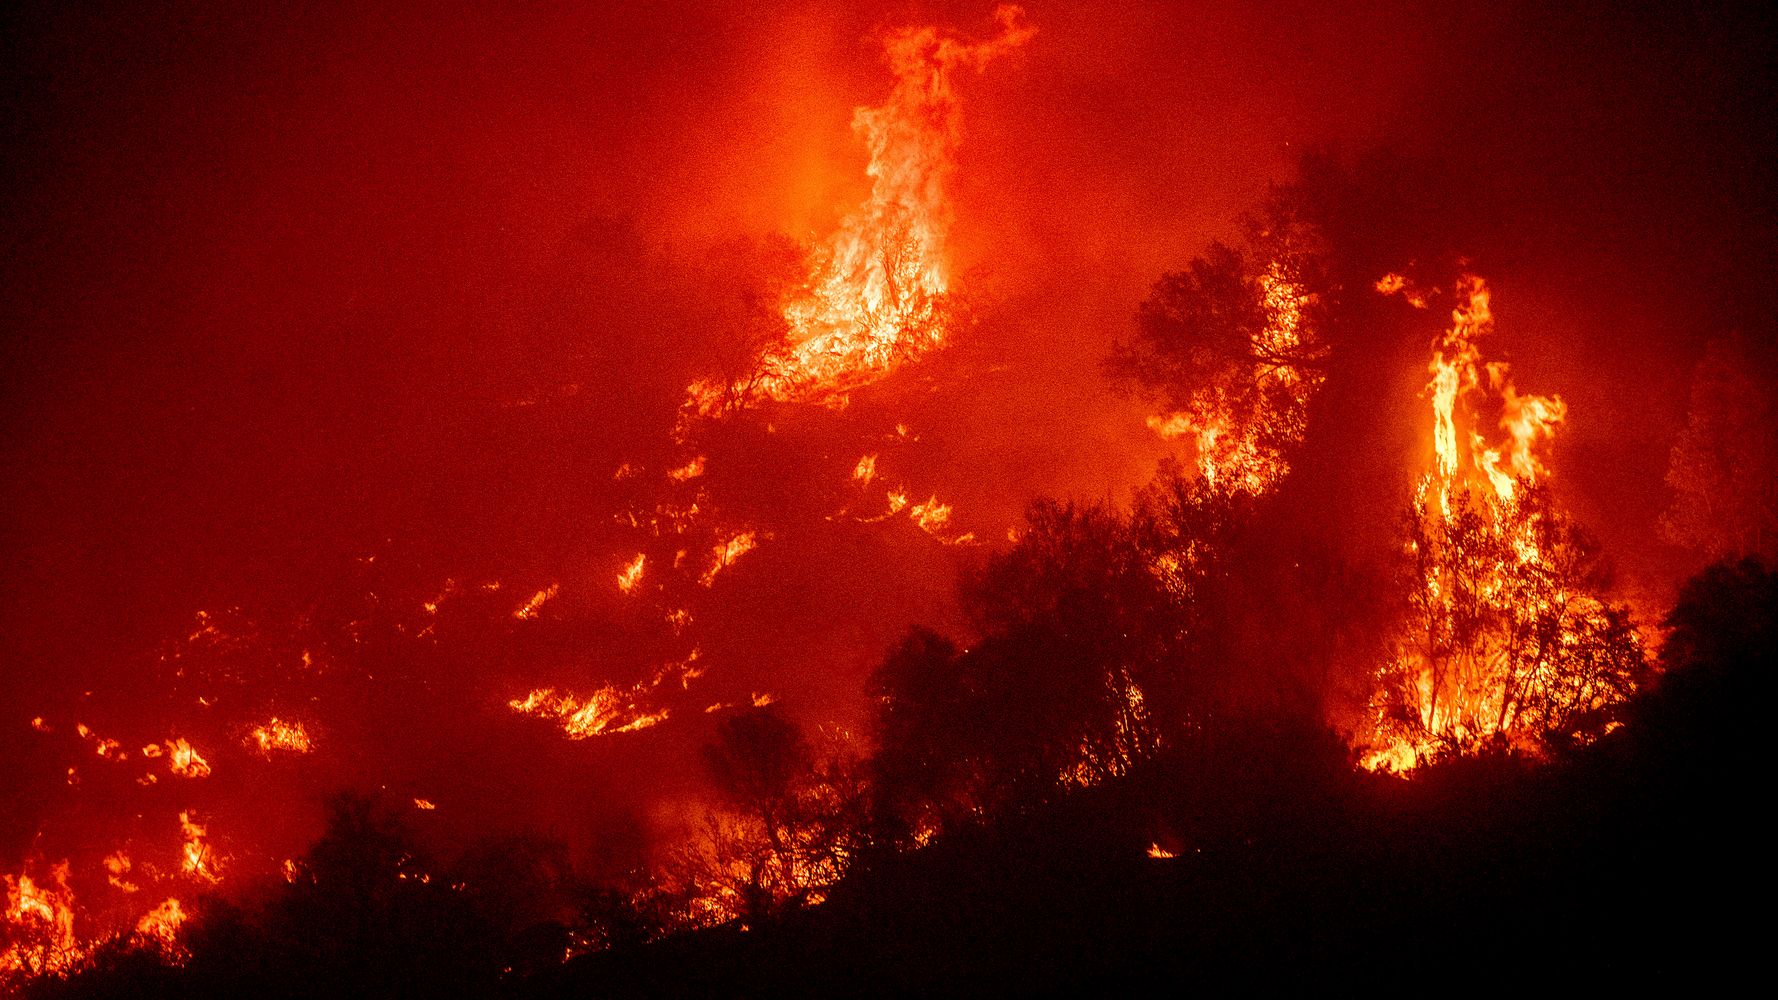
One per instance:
(117, 865)
(1457, 372)
(1247, 456)
(40, 926)
(605, 711)
(529, 609)
(182, 758)
(1507, 643)
(931, 516)
(276, 735)
(690, 470)
(159, 929)
(878, 289)
(196, 857)
(631, 574)
(105, 747)
(725, 554)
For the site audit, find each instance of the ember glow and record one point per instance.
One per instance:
(196, 856)
(279, 736)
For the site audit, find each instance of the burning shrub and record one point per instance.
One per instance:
(793, 822)
(1504, 642)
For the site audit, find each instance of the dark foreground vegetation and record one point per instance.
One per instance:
(1635, 859)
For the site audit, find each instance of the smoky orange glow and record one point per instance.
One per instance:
(510, 495)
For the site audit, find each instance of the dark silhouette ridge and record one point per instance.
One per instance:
(1627, 860)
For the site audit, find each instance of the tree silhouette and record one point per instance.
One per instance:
(1723, 469)
(1083, 664)
(367, 906)
(1727, 614)
(792, 823)
(1231, 347)
(922, 728)
(523, 890)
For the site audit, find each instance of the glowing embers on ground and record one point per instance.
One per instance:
(756, 700)
(1246, 453)
(280, 736)
(610, 709)
(117, 870)
(726, 552)
(930, 516)
(1507, 641)
(878, 289)
(196, 857)
(182, 758)
(105, 747)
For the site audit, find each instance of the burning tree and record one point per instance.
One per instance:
(793, 821)
(1504, 634)
(1231, 348)
(1506, 640)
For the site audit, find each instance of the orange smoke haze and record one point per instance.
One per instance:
(480, 408)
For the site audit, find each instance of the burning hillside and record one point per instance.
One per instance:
(541, 491)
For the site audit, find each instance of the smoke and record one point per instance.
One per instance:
(313, 306)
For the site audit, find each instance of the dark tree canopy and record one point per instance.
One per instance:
(1723, 469)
